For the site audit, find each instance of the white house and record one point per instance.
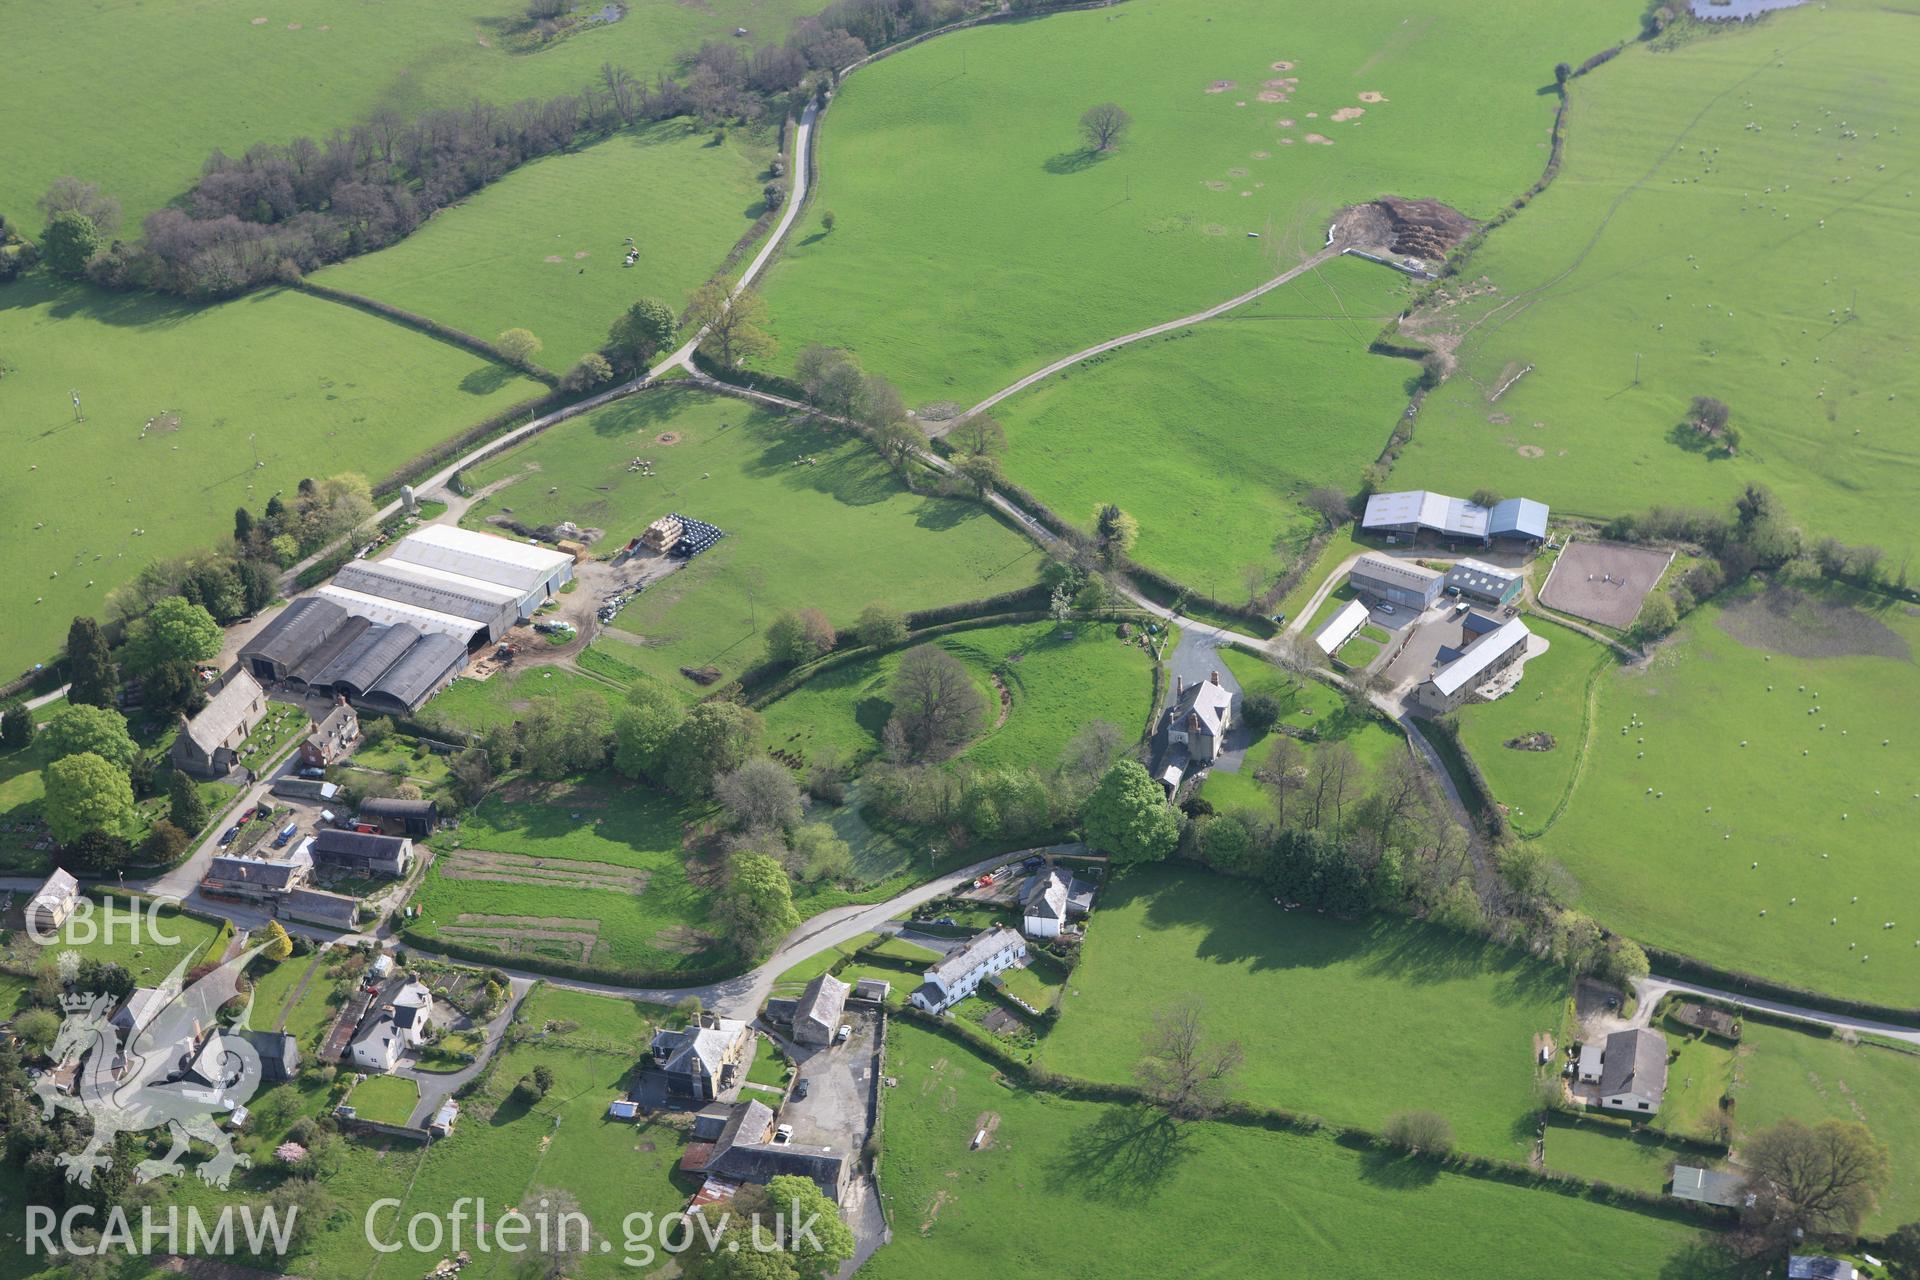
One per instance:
(1053, 897)
(1817, 1266)
(53, 903)
(1633, 1071)
(1490, 647)
(399, 1024)
(961, 971)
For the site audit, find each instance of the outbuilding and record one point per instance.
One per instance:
(1396, 582)
(534, 574)
(1484, 583)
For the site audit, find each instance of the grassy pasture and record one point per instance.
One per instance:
(654, 918)
(1551, 698)
(119, 937)
(1813, 798)
(1212, 436)
(543, 248)
(1401, 1016)
(1813, 1078)
(477, 705)
(1640, 1159)
(836, 535)
(1056, 686)
(304, 386)
(187, 78)
(970, 143)
(1114, 1178)
(1731, 222)
(385, 1099)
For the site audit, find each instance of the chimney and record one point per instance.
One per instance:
(1215, 678)
(1179, 687)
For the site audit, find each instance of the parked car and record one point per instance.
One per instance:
(983, 881)
(801, 1088)
(286, 834)
(783, 1134)
(840, 1036)
(1034, 864)
(226, 837)
(1385, 607)
(313, 774)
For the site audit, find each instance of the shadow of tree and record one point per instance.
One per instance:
(1127, 1154)
(1075, 161)
(487, 379)
(1397, 1172)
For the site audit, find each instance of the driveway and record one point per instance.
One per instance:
(437, 1086)
(1195, 658)
(838, 1109)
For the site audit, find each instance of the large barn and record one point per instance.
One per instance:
(1412, 512)
(389, 634)
(1397, 582)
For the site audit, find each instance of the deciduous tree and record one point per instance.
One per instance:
(643, 727)
(799, 635)
(645, 329)
(16, 726)
(735, 323)
(86, 793)
(519, 344)
(70, 242)
(1819, 1179)
(756, 907)
(760, 795)
(1332, 506)
(1104, 126)
(978, 433)
(1128, 818)
(1115, 531)
(880, 625)
(81, 728)
(175, 630)
(1419, 1132)
(937, 708)
(714, 738)
(276, 945)
(1185, 1073)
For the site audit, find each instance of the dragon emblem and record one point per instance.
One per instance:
(165, 1063)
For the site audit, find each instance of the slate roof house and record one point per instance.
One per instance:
(702, 1061)
(1491, 647)
(1198, 721)
(279, 1053)
(394, 1023)
(317, 906)
(1817, 1266)
(53, 903)
(256, 879)
(208, 746)
(332, 738)
(1053, 897)
(743, 1152)
(961, 971)
(816, 1016)
(1633, 1071)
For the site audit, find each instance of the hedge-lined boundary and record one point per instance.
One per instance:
(1671, 964)
(666, 979)
(1353, 1137)
(432, 328)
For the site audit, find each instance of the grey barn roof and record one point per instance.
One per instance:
(360, 666)
(265, 872)
(1635, 1062)
(420, 671)
(1398, 572)
(1518, 517)
(320, 907)
(397, 807)
(308, 668)
(390, 580)
(298, 630)
(822, 1003)
(1474, 660)
(357, 844)
(1422, 508)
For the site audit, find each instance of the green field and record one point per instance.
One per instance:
(1727, 224)
(120, 937)
(478, 705)
(970, 143)
(1055, 686)
(643, 911)
(1638, 1159)
(1822, 801)
(302, 386)
(1211, 436)
(1117, 1183)
(835, 535)
(1551, 698)
(543, 248)
(1350, 1020)
(385, 1099)
(190, 77)
(1813, 1078)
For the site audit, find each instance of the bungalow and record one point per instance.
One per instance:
(208, 746)
(332, 739)
(960, 972)
(53, 903)
(702, 1061)
(1053, 897)
(1633, 1071)
(360, 852)
(1198, 720)
(816, 1015)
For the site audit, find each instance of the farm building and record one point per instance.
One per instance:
(256, 879)
(816, 1015)
(744, 1151)
(1053, 897)
(332, 738)
(304, 789)
(1491, 646)
(317, 906)
(360, 852)
(53, 903)
(1395, 582)
(399, 817)
(1412, 512)
(874, 989)
(1341, 626)
(301, 629)
(1709, 1187)
(490, 605)
(1487, 583)
(208, 746)
(390, 612)
(966, 966)
(1633, 1071)
(534, 573)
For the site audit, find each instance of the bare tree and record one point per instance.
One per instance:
(1186, 1074)
(1254, 577)
(1103, 126)
(1330, 505)
(937, 707)
(1284, 774)
(1329, 779)
(1088, 756)
(978, 433)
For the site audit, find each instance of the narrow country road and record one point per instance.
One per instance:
(1649, 990)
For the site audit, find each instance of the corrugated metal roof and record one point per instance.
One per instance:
(1399, 572)
(298, 630)
(361, 667)
(1521, 516)
(414, 678)
(1340, 627)
(1475, 575)
(480, 555)
(481, 602)
(1427, 510)
(376, 609)
(309, 669)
